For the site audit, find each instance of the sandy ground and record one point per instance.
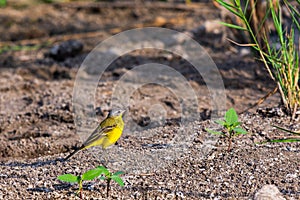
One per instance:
(37, 124)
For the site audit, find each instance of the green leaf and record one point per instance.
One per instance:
(118, 173)
(231, 117)
(238, 3)
(236, 124)
(226, 5)
(118, 179)
(281, 140)
(102, 178)
(233, 26)
(214, 132)
(91, 174)
(230, 7)
(240, 130)
(294, 12)
(104, 170)
(286, 130)
(69, 178)
(221, 122)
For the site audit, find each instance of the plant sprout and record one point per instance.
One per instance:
(91, 175)
(231, 126)
(108, 176)
(87, 176)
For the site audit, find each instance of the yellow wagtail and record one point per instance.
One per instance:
(106, 134)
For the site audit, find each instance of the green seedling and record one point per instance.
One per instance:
(108, 176)
(294, 138)
(231, 126)
(87, 176)
(91, 175)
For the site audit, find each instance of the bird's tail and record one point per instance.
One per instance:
(71, 154)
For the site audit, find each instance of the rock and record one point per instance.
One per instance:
(65, 49)
(268, 192)
(144, 121)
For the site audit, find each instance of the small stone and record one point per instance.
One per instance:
(245, 51)
(144, 121)
(66, 49)
(268, 192)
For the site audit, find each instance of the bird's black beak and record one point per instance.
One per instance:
(123, 112)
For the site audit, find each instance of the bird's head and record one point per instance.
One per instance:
(116, 112)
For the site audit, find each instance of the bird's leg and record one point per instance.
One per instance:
(105, 158)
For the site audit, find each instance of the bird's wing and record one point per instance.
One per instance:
(97, 134)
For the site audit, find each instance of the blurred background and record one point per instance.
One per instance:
(43, 43)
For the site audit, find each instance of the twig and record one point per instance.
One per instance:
(294, 111)
(242, 45)
(261, 100)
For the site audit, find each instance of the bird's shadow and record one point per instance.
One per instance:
(57, 187)
(67, 187)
